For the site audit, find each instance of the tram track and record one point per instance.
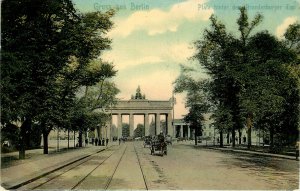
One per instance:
(57, 177)
(55, 174)
(79, 182)
(114, 172)
(140, 168)
(143, 174)
(20, 185)
(74, 187)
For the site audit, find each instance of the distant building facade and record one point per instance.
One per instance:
(212, 135)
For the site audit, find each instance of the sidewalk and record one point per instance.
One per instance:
(253, 152)
(37, 164)
(239, 150)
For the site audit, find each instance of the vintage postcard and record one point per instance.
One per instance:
(150, 94)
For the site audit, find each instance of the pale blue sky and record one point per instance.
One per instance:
(152, 37)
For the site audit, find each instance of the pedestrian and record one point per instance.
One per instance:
(103, 142)
(107, 141)
(297, 149)
(86, 141)
(96, 141)
(119, 141)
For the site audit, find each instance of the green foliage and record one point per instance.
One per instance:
(48, 53)
(125, 130)
(196, 97)
(292, 37)
(139, 131)
(250, 74)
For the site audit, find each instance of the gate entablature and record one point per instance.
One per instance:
(142, 106)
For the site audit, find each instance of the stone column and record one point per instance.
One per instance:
(119, 125)
(174, 131)
(146, 124)
(181, 130)
(157, 122)
(169, 125)
(131, 124)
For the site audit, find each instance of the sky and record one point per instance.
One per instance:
(151, 38)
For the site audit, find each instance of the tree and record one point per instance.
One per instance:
(34, 50)
(217, 53)
(139, 131)
(125, 130)
(292, 37)
(222, 120)
(250, 76)
(101, 96)
(265, 95)
(82, 69)
(292, 119)
(40, 38)
(196, 98)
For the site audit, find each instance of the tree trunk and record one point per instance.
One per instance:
(196, 136)
(45, 133)
(240, 137)
(221, 138)
(80, 138)
(271, 138)
(249, 138)
(249, 126)
(233, 137)
(22, 144)
(68, 138)
(23, 135)
(74, 138)
(45, 138)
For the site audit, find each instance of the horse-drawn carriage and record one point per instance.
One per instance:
(147, 141)
(158, 146)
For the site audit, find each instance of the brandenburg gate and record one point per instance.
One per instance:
(138, 105)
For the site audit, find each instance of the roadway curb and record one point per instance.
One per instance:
(254, 153)
(13, 187)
